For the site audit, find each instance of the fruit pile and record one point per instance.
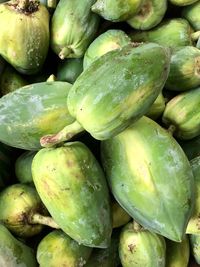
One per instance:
(99, 133)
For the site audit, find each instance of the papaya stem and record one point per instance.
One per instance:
(195, 36)
(52, 3)
(23, 4)
(64, 135)
(27, 5)
(44, 220)
(52, 78)
(66, 51)
(137, 227)
(171, 129)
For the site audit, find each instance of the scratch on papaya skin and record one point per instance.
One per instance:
(131, 248)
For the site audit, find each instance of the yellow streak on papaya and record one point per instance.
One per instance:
(109, 46)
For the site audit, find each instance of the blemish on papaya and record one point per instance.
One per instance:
(70, 163)
(131, 248)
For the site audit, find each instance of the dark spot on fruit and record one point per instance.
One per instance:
(131, 248)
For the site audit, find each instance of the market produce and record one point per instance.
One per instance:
(71, 184)
(117, 10)
(139, 247)
(139, 182)
(73, 27)
(173, 33)
(10, 80)
(57, 249)
(191, 147)
(177, 254)
(69, 69)
(195, 247)
(191, 13)
(184, 69)
(157, 107)
(114, 91)
(105, 42)
(183, 2)
(25, 47)
(119, 216)
(14, 253)
(182, 114)
(39, 108)
(29, 216)
(23, 167)
(150, 15)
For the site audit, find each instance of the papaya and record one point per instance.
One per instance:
(26, 47)
(72, 186)
(39, 108)
(150, 15)
(157, 107)
(69, 69)
(108, 257)
(116, 10)
(11, 80)
(182, 114)
(177, 254)
(49, 3)
(191, 13)
(23, 167)
(195, 247)
(105, 42)
(114, 91)
(191, 147)
(73, 27)
(193, 226)
(139, 247)
(58, 249)
(183, 2)
(119, 216)
(138, 181)
(22, 211)
(14, 253)
(178, 29)
(184, 69)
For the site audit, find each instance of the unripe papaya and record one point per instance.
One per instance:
(150, 15)
(39, 108)
(182, 113)
(139, 247)
(115, 90)
(105, 42)
(191, 13)
(157, 107)
(138, 181)
(26, 47)
(117, 10)
(195, 247)
(72, 186)
(183, 2)
(191, 147)
(119, 216)
(184, 69)
(177, 254)
(73, 27)
(14, 253)
(57, 249)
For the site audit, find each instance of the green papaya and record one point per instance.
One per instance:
(108, 257)
(69, 69)
(114, 91)
(138, 181)
(5, 165)
(14, 253)
(116, 10)
(49, 3)
(191, 147)
(119, 215)
(58, 249)
(23, 167)
(193, 226)
(105, 42)
(22, 211)
(73, 27)
(139, 247)
(10, 80)
(38, 109)
(191, 13)
(157, 107)
(184, 69)
(71, 184)
(183, 2)
(182, 114)
(150, 15)
(195, 247)
(177, 254)
(26, 47)
(173, 33)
